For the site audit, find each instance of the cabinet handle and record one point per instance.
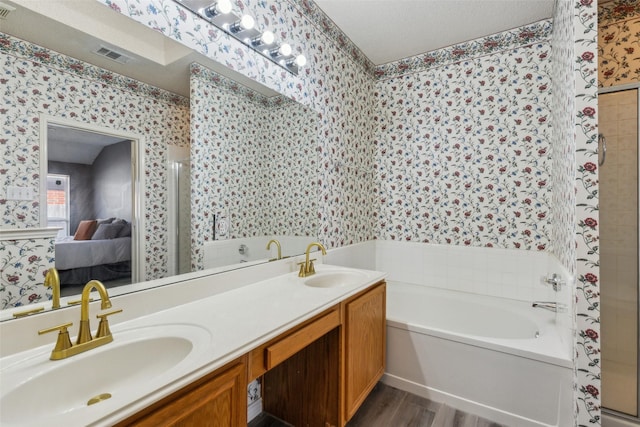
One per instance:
(602, 148)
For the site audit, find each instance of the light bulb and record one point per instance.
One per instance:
(267, 37)
(224, 6)
(285, 49)
(220, 7)
(263, 39)
(301, 60)
(245, 23)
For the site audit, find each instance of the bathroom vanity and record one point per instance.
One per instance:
(316, 373)
(185, 353)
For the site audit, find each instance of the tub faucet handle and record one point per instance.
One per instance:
(555, 280)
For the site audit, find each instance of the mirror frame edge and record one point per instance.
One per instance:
(138, 201)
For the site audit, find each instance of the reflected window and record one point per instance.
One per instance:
(58, 203)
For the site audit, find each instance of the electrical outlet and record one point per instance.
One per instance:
(19, 193)
(253, 391)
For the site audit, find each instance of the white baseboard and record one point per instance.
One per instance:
(254, 410)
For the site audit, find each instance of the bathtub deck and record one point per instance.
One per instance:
(387, 406)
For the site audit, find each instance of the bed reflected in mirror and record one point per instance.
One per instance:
(90, 194)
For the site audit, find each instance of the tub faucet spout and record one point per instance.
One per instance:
(550, 305)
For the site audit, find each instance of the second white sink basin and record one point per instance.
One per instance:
(332, 279)
(118, 371)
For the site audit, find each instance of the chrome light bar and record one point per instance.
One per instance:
(242, 27)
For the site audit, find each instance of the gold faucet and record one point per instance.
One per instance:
(52, 280)
(274, 241)
(306, 267)
(64, 348)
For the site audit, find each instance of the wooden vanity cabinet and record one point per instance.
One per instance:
(323, 382)
(364, 346)
(217, 400)
(317, 373)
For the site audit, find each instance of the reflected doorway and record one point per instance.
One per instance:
(92, 194)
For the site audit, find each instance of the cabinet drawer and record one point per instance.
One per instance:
(286, 347)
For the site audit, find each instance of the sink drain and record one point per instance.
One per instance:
(99, 398)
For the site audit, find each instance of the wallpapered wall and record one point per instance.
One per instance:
(619, 43)
(337, 86)
(253, 159)
(464, 148)
(575, 173)
(37, 81)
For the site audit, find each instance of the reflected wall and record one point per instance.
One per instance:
(37, 81)
(254, 163)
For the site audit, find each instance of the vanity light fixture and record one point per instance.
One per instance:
(283, 50)
(299, 61)
(220, 7)
(244, 24)
(265, 39)
(242, 27)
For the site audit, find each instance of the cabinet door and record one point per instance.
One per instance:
(364, 346)
(217, 401)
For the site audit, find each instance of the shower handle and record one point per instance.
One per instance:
(602, 148)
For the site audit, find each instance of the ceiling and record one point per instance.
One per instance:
(389, 30)
(385, 30)
(71, 145)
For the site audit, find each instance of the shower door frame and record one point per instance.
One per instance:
(607, 411)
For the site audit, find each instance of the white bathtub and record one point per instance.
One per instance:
(497, 358)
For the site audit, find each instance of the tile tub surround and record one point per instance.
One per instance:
(219, 253)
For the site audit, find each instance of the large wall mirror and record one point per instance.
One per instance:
(221, 164)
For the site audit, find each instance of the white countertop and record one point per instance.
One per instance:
(238, 320)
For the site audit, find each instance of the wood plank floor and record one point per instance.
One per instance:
(389, 407)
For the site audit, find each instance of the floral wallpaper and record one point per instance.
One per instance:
(619, 42)
(23, 265)
(496, 43)
(575, 145)
(35, 81)
(254, 160)
(289, 165)
(339, 88)
(464, 150)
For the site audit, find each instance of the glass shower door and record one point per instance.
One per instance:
(618, 176)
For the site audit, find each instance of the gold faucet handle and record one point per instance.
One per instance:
(302, 272)
(103, 326)
(311, 269)
(64, 341)
(77, 301)
(28, 312)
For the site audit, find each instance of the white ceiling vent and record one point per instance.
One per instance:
(5, 10)
(113, 55)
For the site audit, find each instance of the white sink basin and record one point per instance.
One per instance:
(332, 279)
(118, 372)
